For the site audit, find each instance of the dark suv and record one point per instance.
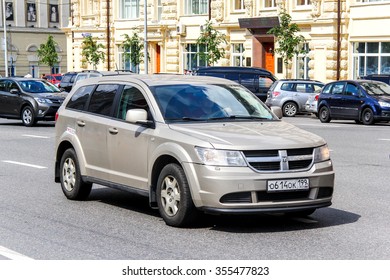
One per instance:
(257, 80)
(29, 99)
(67, 81)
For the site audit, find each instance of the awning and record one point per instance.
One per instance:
(260, 25)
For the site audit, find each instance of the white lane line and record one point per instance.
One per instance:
(12, 254)
(35, 136)
(383, 139)
(24, 164)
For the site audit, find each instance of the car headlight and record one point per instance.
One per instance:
(384, 104)
(220, 157)
(321, 154)
(43, 100)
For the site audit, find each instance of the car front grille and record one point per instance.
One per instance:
(280, 160)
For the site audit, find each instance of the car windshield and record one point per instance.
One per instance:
(188, 102)
(376, 88)
(36, 86)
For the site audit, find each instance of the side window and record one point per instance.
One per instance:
(102, 99)
(2, 86)
(352, 89)
(132, 98)
(287, 86)
(265, 82)
(13, 85)
(327, 89)
(317, 88)
(80, 98)
(301, 88)
(337, 88)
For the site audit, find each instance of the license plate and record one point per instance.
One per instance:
(287, 185)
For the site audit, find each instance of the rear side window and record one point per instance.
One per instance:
(102, 99)
(80, 98)
(287, 86)
(265, 82)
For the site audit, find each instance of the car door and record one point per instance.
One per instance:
(92, 129)
(302, 93)
(10, 102)
(335, 99)
(350, 102)
(3, 97)
(127, 142)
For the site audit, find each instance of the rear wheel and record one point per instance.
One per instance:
(368, 116)
(72, 184)
(324, 114)
(174, 198)
(290, 109)
(28, 116)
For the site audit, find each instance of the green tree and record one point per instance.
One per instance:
(91, 51)
(47, 53)
(133, 49)
(288, 42)
(212, 40)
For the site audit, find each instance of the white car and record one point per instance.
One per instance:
(311, 104)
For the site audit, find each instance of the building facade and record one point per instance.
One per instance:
(344, 39)
(27, 25)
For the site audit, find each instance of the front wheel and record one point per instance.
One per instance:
(174, 198)
(368, 117)
(324, 114)
(28, 116)
(72, 184)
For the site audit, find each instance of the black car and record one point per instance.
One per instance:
(67, 81)
(29, 99)
(257, 80)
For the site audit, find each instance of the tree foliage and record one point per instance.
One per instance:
(91, 51)
(47, 53)
(133, 48)
(212, 40)
(288, 42)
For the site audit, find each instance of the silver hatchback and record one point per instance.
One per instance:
(291, 95)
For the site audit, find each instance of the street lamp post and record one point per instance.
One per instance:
(146, 36)
(5, 42)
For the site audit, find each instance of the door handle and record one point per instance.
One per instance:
(81, 123)
(113, 130)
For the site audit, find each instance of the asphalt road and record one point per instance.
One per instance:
(38, 222)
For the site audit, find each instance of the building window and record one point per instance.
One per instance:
(269, 4)
(303, 2)
(129, 9)
(238, 55)
(371, 58)
(239, 5)
(125, 63)
(88, 7)
(31, 12)
(302, 63)
(192, 59)
(159, 10)
(196, 7)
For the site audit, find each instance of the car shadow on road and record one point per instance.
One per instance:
(322, 218)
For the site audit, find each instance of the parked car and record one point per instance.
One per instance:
(55, 79)
(85, 74)
(311, 104)
(29, 99)
(67, 81)
(190, 144)
(365, 101)
(378, 77)
(257, 80)
(291, 95)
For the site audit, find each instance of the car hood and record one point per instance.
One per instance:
(52, 95)
(250, 135)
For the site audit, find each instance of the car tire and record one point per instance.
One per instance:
(324, 115)
(367, 116)
(174, 197)
(28, 116)
(290, 109)
(72, 184)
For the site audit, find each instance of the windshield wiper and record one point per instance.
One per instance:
(239, 117)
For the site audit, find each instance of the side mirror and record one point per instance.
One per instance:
(14, 91)
(277, 111)
(138, 116)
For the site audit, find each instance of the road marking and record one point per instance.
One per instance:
(24, 164)
(35, 136)
(12, 254)
(383, 139)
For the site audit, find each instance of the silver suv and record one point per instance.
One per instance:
(190, 144)
(291, 95)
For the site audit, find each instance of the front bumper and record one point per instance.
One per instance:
(241, 190)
